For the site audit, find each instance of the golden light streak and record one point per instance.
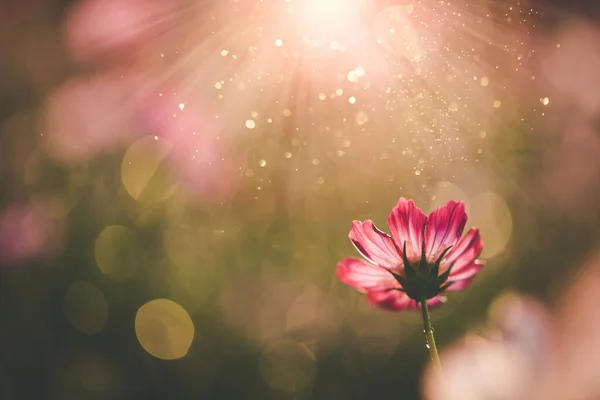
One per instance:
(417, 80)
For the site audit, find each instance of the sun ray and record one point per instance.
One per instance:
(413, 84)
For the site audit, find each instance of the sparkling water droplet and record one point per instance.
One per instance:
(427, 345)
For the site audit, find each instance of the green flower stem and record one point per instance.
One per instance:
(429, 336)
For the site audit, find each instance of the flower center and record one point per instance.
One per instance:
(421, 280)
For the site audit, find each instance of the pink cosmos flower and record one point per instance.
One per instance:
(422, 259)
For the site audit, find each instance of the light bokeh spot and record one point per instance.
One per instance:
(441, 193)
(117, 252)
(490, 213)
(288, 366)
(361, 118)
(85, 307)
(164, 329)
(144, 172)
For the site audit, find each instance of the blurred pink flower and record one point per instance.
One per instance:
(28, 230)
(198, 156)
(88, 116)
(95, 29)
(424, 257)
(529, 351)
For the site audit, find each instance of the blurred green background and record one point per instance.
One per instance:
(116, 283)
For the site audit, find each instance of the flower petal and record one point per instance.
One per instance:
(364, 276)
(374, 245)
(444, 228)
(395, 300)
(462, 256)
(391, 300)
(434, 302)
(406, 222)
(467, 272)
(462, 279)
